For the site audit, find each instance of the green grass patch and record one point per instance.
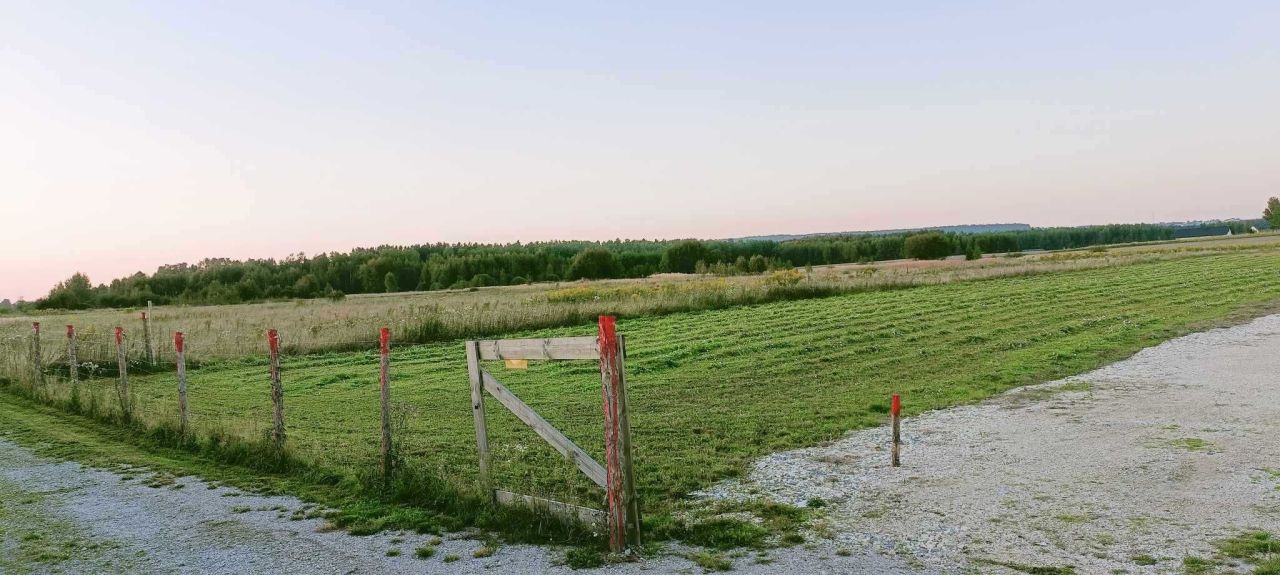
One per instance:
(711, 562)
(1192, 444)
(1144, 559)
(1032, 569)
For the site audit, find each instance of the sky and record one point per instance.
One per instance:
(145, 133)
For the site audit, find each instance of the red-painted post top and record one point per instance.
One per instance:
(119, 335)
(35, 325)
(273, 340)
(384, 338)
(608, 332)
(897, 405)
(144, 316)
(178, 341)
(71, 330)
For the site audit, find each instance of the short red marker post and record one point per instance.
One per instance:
(277, 390)
(37, 364)
(895, 415)
(384, 379)
(180, 359)
(122, 383)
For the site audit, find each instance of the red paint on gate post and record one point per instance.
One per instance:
(384, 379)
(179, 343)
(624, 515)
(71, 330)
(608, 341)
(896, 418)
(119, 336)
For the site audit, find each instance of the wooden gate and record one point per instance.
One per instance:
(622, 515)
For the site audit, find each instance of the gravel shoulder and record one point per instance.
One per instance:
(1129, 468)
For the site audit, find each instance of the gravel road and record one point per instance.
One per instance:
(1149, 459)
(1129, 468)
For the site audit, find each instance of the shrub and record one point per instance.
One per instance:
(684, 257)
(930, 246)
(784, 278)
(594, 263)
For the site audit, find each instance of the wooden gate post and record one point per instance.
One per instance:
(37, 364)
(73, 365)
(122, 386)
(146, 338)
(384, 340)
(180, 358)
(624, 518)
(895, 415)
(277, 390)
(477, 412)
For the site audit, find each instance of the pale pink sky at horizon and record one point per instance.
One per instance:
(142, 134)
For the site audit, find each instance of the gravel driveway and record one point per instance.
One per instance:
(1129, 468)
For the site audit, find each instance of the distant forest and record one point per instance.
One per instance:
(458, 266)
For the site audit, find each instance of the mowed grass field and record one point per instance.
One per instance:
(710, 391)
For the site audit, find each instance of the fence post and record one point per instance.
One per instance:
(895, 416)
(180, 358)
(122, 386)
(384, 340)
(37, 364)
(624, 525)
(277, 390)
(477, 413)
(146, 337)
(73, 365)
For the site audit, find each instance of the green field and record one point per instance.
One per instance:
(711, 391)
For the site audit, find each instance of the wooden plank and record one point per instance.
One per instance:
(585, 515)
(557, 348)
(477, 410)
(546, 431)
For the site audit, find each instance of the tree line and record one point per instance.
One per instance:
(389, 269)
